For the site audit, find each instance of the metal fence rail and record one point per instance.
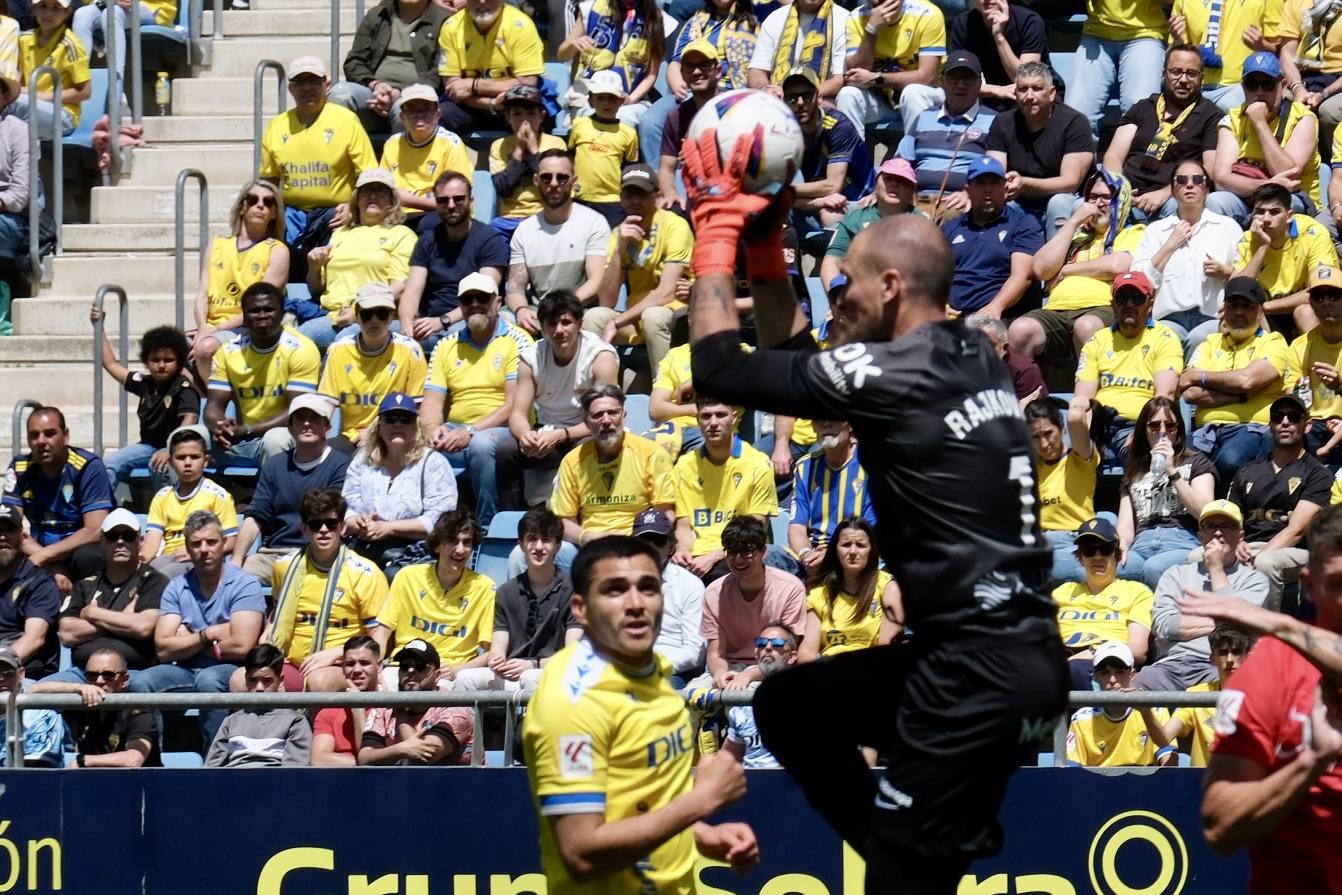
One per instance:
(17, 419)
(258, 77)
(56, 201)
(179, 263)
(99, 301)
(113, 94)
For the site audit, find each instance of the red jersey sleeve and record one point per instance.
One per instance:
(1259, 713)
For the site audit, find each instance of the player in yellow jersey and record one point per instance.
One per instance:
(1317, 357)
(422, 153)
(164, 544)
(1115, 737)
(609, 746)
(1229, 646)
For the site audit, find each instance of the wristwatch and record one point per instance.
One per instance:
(471, 430)
(80, 760)
(1174, 475)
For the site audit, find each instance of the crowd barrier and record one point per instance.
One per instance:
(282, 97)
(123, 339)
(56, 201)
(179, 243)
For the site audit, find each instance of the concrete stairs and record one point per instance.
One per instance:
(131, 237)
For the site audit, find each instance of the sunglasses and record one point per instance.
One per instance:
(1293, 416)
(94, 676)
(793, 98)
(418, 666)
(251, 199)
(1129, 297)
(1259, 83)
(560, 179)
(703, 65)
(400, 418)
(1092, 549)
(332, 523)
(1162, 426)
(375, 314)
(120, 536)
(451, 200)
(775, 642)
(1187, 179)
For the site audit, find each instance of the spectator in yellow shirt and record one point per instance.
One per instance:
(421, 153)
(52, 43)
(1280, 251)
(1112, 736)
(1311, 59)
(1066, 477)
(514, 159)
(601, 144)
(314, 152)
(164, 545)
(648, 254)
(1318, 364)
(1229, 647)
(894, 61)
(854, 601)
(488, 48)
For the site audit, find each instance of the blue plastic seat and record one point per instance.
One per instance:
(491, 558)
(486, 200)
(182, 760)
(637, 418)
(504, 525)
(778, 528)
(163, 42)
(819, 301)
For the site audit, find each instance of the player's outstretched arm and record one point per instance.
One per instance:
(1322, 648)
(592, 848)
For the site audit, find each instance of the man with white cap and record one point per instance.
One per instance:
(896, 185)
(395, 48)
(420, 153)
(368, 362)
(1115, 736)
(314, 152)
(116, 609)
(273, 514)
(29, 601)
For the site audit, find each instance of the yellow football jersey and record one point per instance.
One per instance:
(9, 50)
(607, 496)
(920, 31)
(711, 495)
(361, 255)
(1250, 150)
(1087, 620)
(359, 381)
(600, 149)
(668, 241)
(1067, 491)
(473, 378)
(672, 372)
(65, 54)
(1328, 49)
(1286, 271)
(360, 594)
(1196, 724)
(168, 512)
(526, 199)
(231, 272)
(1125, 369)
(1125, 19)
(458, 623)
(511, 48)
(1306, 351)
(1094, 740)
(840, 630)
(417, 168)
(260, 380)
(316, 165)
(1219, 355)
(1076, 292)
(1235, 18)
(601, 741)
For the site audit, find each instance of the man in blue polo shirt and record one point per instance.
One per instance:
(942, 143)
(29, 602)
(993, 243)
(836, 167)
(64, 494)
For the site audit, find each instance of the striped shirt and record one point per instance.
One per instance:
(931, 145)
(824, 496)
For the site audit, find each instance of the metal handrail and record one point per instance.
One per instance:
(137, 76)
(334, 69)
(179, 265)
(257, 77)
(35, 174)
(99, 328)
(16, 423)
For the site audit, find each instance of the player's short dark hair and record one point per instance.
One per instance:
(321, 503)
(264, 655)
(1229, 637)
(558, 302)
(743, 534)
(597, 392)
(448, 176)
(541, 523)
(1325, 536)
(362, 641)
(261, 289)
(1271, 194)
(611, 547)
(169, 337)
(450, 525)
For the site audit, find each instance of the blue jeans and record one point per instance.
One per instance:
(40, 113)
(1153, 551)
(1225, 97)
(1065, 565)
(505, 226)
(481, 470)
(121, 463)
(651, 127)
(1192, 327)
(1135, 65)
(1230, 446)
(176, 679)
(304, 230)
(89, 19)
(321, 331)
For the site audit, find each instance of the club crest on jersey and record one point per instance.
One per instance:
(328, 135)
(1292, 483)
(608, 479)
(736, 480)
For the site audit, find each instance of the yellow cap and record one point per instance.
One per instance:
(1325, 275)
(701, 47)
(1222, 508)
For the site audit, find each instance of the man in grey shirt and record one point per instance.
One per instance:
(1182, 642)
(262, 738)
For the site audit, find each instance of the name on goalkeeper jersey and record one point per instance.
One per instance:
(981, 407)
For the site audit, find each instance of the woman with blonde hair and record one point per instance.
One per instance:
(253, 251)
(396, 488)
(370, 244)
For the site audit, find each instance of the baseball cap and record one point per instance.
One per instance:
(984, 166)
(318, 404)
(1288, 400)
(477, 282)
(374, 295)
(9, 658)
(306, 65)
(640, 177)
(1134, 279)
(418, 649)
(652, 522)
(524, 94)
(898, 167)
(1223, 508)
(10, 516)
(962, 59)
(376, 175)
(1111, 650)
(1325, 276)
(418, 93)
(121, 518)
(606, 81)
(837, 285)
(1246, 288)
(1098, 529)
(806, 74)
(397, 402)
(1261, 63)
(701, 47)
(195, 428)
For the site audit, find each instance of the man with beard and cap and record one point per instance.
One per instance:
(561, 247)
(775, 650)
(488, 49)
(446, 253)
(827, 488)
(1318, 364)
(29, 601)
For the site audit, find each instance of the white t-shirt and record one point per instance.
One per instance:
(766, 41)
(559, 388)
(741, 729)
(556, 256)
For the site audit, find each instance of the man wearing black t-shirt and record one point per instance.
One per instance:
(1280, 495)
(952, 478)
(122, 739)
(1003, 36)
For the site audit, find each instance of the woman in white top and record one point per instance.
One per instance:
(396, 488)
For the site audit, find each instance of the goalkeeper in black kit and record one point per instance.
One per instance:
(958, 705)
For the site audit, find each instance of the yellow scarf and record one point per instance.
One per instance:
(1163, 138)
(815, 46)
(286, 601)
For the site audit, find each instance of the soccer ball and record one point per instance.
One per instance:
(777, 152)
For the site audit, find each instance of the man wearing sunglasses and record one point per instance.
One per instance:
(29, 601)
(43, 729)
(775, 650)
(416, 735)
(1319, 356)
(126, 738)
(513, 160)
(836, 166)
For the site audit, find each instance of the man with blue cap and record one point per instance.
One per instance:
(993, 244)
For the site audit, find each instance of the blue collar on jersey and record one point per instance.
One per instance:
(499, 330)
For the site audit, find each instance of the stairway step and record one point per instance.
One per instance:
(229, 165)
(137, 203)
(238, 58)
(50, 316)
(216, 95)
(273, 22)
(299, 4)
(138, 274)
(161, 130)
(122, 237)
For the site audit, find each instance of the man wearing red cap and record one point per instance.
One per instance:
(1125, 365)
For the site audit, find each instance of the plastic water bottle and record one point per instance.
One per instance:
(1158, 464)
(163, 92)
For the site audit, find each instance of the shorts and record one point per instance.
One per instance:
(1057, 326)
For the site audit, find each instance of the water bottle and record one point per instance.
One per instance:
(163, 92)
(1158, 464)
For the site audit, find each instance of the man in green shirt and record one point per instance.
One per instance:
(895, 187)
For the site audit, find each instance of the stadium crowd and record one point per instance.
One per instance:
(382, 377)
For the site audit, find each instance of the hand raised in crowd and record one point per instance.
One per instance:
(886, 13)
(631, 230)
(1213, 268)
(1179, 29)
(1086, 214)
(1216, 555)
(1253, 39)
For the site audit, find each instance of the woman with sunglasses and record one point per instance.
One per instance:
(372, 245)
(396, 488)
(253, 251)
(1159, 502)
(1101, 607)
(1066, 476)
(337, 732)
(844, 609)
(1188, 256)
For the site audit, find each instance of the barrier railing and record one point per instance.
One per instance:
(99, 328)
(137, 76)
(179, 265)
(257, 124)
(16, 421)
(114, 90)
(56, 201)
(201, 50)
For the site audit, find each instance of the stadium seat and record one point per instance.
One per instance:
(491, 558)
(485, 199)
(67, 658)
(505, 524)
(819, 301)
(778, 528)
(182, 760)
(77, 149)
(636, 416)
(167, 47)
